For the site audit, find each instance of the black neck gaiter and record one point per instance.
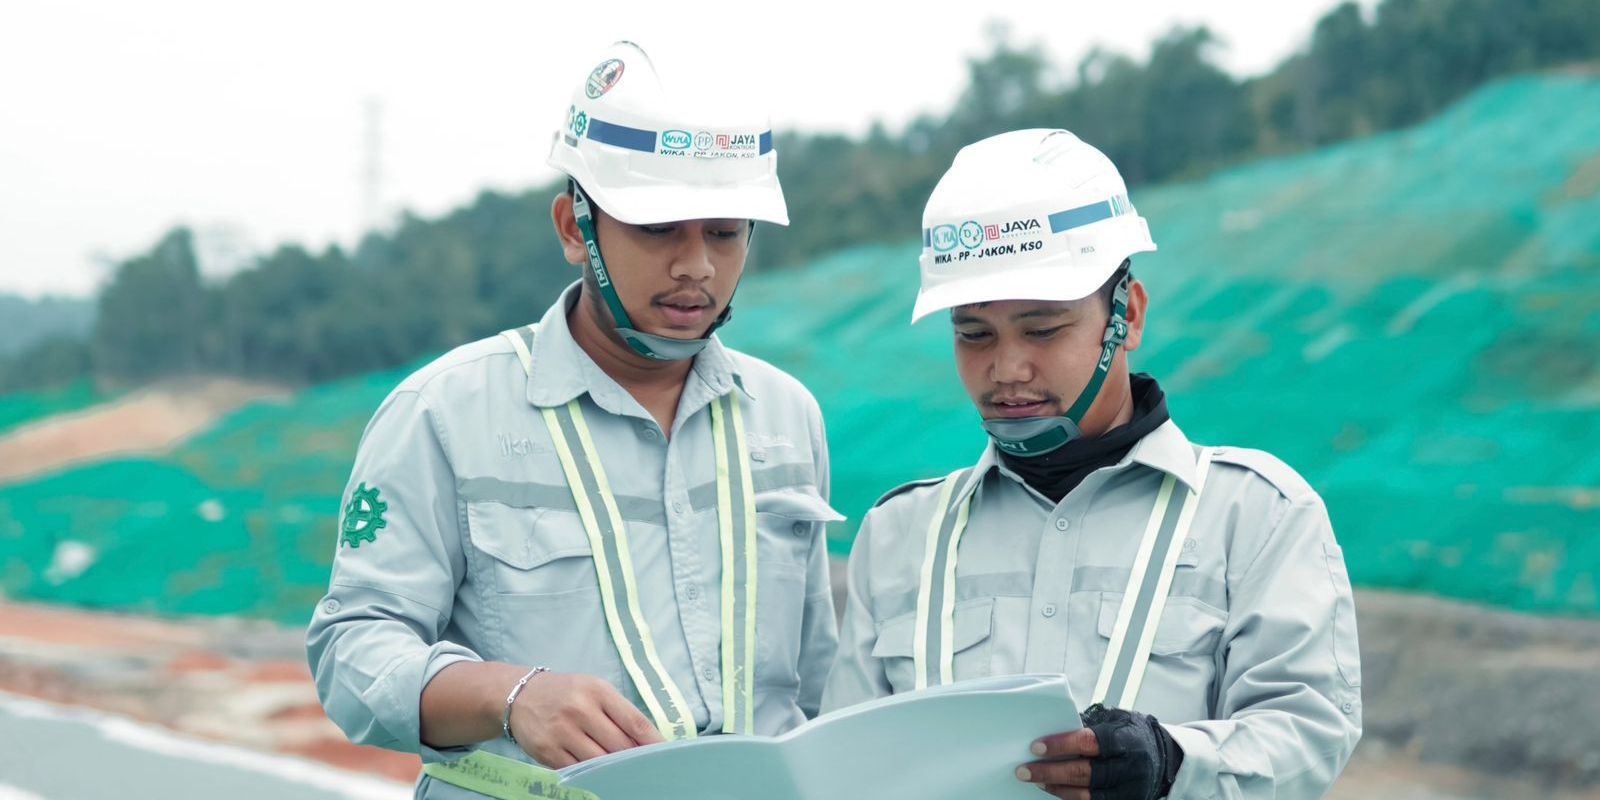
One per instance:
(1058, 472)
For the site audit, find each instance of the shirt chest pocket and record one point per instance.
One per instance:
(1189, 627)
(531, 551)
(787, 520)
(971, 642)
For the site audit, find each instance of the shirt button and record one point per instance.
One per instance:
(1349, 707)
(692, 592)
(650, 434)
(677, 507)
(1049, 609)
(332, 606)
(709, 673)
(802, 528)
(758, 455)
(1062, 524)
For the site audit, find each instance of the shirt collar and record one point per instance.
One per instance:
(1164, 449)
(715, 366)
(565, 371)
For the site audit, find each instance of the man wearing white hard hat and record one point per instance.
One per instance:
(1195, 597)
(604, 529)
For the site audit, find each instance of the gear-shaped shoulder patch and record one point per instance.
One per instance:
(363, 517)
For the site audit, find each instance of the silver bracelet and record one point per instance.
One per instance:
(505, 719)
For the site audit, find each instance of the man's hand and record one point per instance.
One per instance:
(561, 719)
(1116, 755)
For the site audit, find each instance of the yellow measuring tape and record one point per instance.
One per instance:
(504, 778)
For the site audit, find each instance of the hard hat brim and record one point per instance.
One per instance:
(643, 205)
(1047, 282)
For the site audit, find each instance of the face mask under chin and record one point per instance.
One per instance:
(1031, 436)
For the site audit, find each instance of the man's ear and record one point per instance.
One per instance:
(566, 223)
(1138, 302)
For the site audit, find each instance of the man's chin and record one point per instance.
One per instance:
(680, 334)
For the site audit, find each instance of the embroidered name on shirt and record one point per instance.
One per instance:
(519, 446)
(767, 441)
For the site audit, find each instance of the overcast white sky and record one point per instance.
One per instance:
(121, 120)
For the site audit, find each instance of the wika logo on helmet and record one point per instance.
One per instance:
(603, 78)
(676, 140)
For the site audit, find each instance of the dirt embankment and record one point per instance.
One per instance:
(1481, 695)
(236, 681)
(1461, 703)
(149, 421)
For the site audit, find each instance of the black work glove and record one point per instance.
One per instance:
(1138, 759)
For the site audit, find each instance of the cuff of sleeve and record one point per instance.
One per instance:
(1197, 778)
(399, 694)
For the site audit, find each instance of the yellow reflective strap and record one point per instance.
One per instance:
(679, 722)
(750, 571)
(520, 347)
(1141, 565)
(736, 517)
(1169, 565)
(919, 641)
(948, 612)
(602, 565)
(504, 778)
(719, 443)
(744, 662)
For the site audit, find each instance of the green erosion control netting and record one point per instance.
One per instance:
(1412, 321)
(19, 409)
(238, 520)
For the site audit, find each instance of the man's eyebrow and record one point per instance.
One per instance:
(1041, 312)
(958, 317)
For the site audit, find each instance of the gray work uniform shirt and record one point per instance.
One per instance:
(1254, 669)
(483, 555)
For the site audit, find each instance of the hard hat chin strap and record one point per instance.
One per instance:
(649, 345)
(1036, 436)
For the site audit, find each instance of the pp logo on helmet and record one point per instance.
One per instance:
(971, 234)
(604, 78)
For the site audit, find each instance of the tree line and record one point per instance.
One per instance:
(300, 316)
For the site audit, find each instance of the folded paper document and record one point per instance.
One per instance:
(959, 740)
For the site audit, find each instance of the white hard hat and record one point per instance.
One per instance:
(1026, 215)
(646, 154)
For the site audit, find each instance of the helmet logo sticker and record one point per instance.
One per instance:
(971, 234)
(1016, 227)
(676, 140)
(705, 144)
(603, 78)
(978, 240)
